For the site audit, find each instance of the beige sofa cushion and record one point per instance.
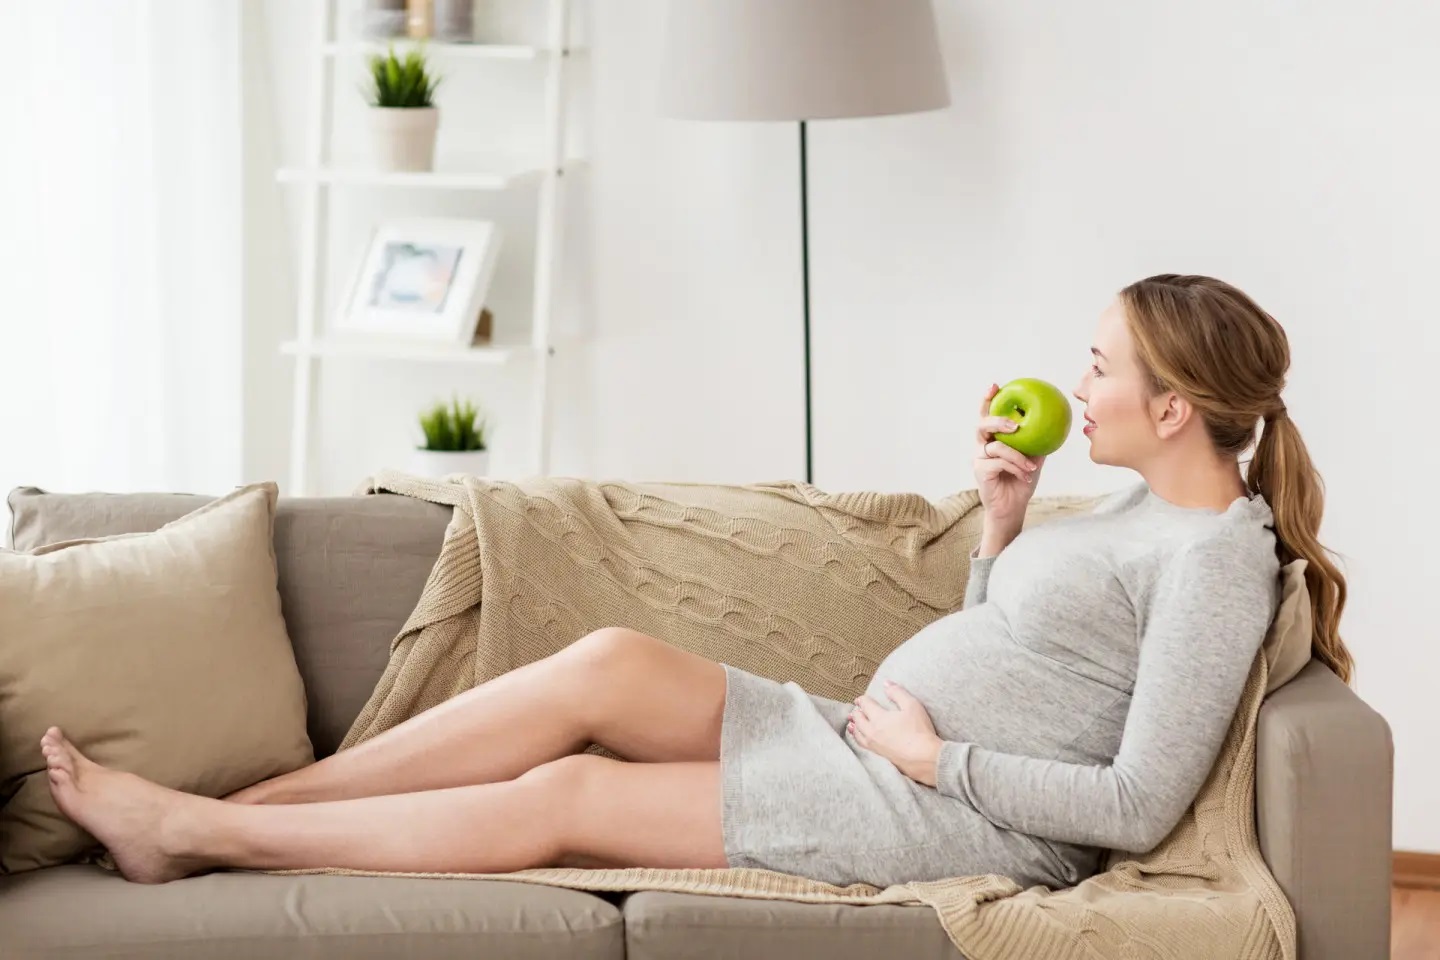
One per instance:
(164, 654)
(351, 569)
(80, 912)
(1289, 640)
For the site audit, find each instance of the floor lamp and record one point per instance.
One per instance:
(801, 60)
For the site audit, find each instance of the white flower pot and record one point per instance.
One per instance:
(405, 137)
(442, 463)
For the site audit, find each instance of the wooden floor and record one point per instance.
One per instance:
(1415, 924)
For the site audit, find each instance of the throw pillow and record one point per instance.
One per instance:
(164, 654)
(1287, 644)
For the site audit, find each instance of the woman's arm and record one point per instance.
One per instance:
(994, 537)
(1208, 618)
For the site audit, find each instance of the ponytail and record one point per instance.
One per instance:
(1281, 472)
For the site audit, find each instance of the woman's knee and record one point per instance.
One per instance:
(549, 795)
(564, 791)
(627, 814)
(569, 778)
(609, 646)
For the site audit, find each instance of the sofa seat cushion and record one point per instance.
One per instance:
(661, 925)
(80, 910)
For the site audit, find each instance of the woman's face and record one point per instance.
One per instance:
(1117, 412)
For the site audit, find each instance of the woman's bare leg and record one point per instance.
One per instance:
(638, 697)
(578, 810)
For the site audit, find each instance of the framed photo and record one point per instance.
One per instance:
(423, 279)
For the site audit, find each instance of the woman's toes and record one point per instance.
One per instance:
(59, 755)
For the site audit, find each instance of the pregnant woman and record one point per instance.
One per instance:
(1075, 703)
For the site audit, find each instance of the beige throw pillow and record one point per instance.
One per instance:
(1288, 642)
(161, 653)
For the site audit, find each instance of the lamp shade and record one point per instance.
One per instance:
(800, 59)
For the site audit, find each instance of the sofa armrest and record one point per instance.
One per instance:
(1324, 768)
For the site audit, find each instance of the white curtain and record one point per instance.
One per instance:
(120, 246)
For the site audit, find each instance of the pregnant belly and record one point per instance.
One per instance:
(978, 685)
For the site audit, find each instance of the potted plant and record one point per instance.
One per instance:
(454, 441)
(403, 115)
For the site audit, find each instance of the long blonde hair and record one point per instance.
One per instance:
(1209, 342)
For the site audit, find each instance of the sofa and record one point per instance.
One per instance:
(350, 571)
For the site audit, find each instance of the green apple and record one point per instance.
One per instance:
(1042, 412)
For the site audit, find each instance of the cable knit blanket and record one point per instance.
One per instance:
(788, 581)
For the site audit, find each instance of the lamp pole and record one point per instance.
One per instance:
(805, 285)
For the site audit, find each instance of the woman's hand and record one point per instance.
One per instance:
(1006, 477)
(904, 736)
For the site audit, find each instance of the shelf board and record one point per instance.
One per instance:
(383, 349)
(495, 179)
(466, 51)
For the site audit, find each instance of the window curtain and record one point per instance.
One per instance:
(120, 253)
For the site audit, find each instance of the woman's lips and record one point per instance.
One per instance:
(1089, 426)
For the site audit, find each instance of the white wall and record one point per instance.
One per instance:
(1288, 149)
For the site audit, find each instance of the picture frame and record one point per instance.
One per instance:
(422, 279)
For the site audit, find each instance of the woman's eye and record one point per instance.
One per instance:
(1096, 370)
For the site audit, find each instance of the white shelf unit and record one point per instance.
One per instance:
(459, 51)
(494, 179)
(389, 349)
(314, 179)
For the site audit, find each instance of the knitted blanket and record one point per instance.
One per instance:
(788, 581)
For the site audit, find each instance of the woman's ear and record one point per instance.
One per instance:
(1172, 412)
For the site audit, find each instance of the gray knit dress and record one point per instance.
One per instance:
(1083, 692)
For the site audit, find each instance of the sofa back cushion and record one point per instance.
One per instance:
(350, 572)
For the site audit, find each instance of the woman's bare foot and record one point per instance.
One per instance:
(141, 823)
